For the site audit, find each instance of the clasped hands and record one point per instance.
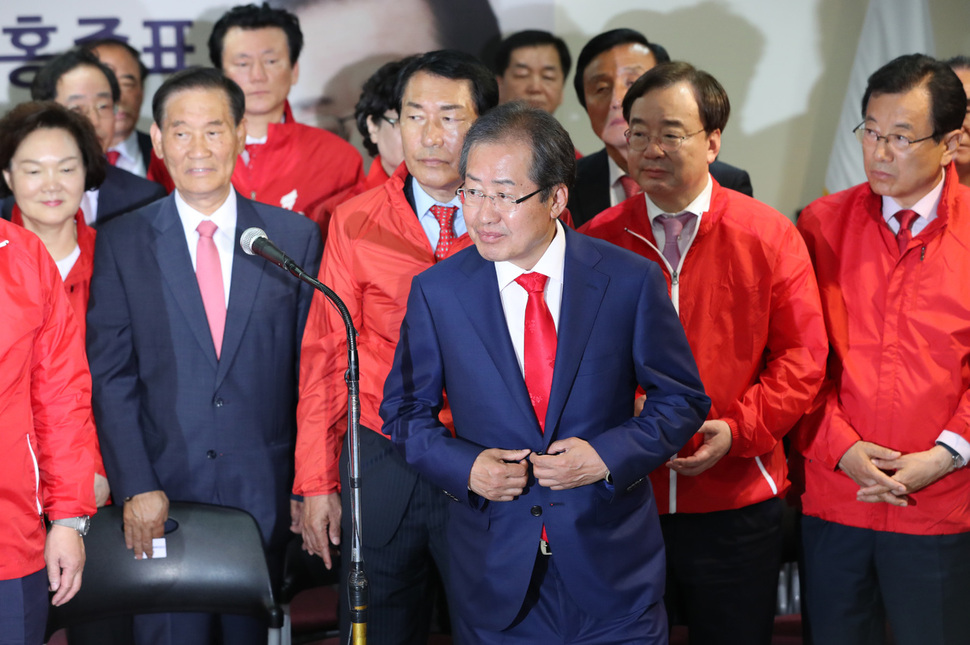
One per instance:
(501, 475)
(867, 465)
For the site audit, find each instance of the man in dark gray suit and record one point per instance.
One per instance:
(607, 66)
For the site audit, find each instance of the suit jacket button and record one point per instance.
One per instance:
(219, 403)
(536, 511)
(211, 454)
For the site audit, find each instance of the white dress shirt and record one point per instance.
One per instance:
(130, 156)
(697, 208)
(514, 296)
(225, 236)
(422, 206)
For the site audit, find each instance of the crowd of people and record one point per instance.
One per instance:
(589, 385)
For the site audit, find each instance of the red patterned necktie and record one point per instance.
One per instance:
(539, 346)
(630, 186)
(905, 235)
(113, 157)
(446, 221)
(208, 271)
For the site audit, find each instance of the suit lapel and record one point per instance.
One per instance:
(175, 263)
(582, 294)
(247, 272)
(483, 304)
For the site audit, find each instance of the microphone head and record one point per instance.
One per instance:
(249, 236)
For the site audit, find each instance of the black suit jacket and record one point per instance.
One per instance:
(145, 146)
(120, 193)
(590, 195)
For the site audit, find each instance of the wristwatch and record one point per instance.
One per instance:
(80, 524)
(958, 461)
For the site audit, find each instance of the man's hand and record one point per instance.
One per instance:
(499, 475)
(101, 490)
(717, 443)
(296, 516)
(64, 555)
(321, 525)
(145, 516)
(859, 463)
(915, 470)
(568, 463)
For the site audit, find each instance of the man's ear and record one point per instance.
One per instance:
(156, 135)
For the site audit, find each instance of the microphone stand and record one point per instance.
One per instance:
(357, 586)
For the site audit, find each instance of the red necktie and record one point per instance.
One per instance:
(113, 157)
(208, 271)
(630, 187)
(673, 226)
(446, 221)
(540, 344)
(905, 235)
(250, 151)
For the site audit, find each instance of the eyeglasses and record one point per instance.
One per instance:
(391, 121)
(668, 142)
(899, 143)
(475, 198)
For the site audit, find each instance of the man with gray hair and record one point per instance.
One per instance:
(539, 337)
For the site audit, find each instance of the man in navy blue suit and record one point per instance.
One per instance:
(194, 345)
(553, 532)
(79, 81)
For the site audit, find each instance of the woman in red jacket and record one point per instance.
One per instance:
(50, 155)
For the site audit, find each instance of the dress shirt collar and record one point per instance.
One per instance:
(700, 205)
(550, 264)
(926, 207)
(224, 217)
(128, 149)
(423, 203)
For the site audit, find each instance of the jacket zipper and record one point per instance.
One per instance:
(33, 458)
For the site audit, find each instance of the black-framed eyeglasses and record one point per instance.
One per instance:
(638, 140)
(899, 143)
(475, 198)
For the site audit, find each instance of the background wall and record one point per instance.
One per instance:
(784, 63)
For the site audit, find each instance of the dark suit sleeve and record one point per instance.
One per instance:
(732, 177)
(412, 399)
(676, 405)
(310, 262)
(114, 372)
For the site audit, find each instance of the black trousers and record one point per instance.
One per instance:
(722, 573)
(856, 580)
(403, 543)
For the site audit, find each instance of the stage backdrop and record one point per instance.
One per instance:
(786, 65)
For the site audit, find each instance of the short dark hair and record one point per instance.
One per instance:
(199, 78)
(959, 62)
(251, 16)
(604, 42)
(948, 101)
(91, 45)
(454, 65)
(17, 124)
(531, 38)
(378, 95)
(712, 100)
(44, 87)
(553, 154)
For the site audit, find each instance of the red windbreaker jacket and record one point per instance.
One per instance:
(899, 326)
(749, 303)
(46, 433)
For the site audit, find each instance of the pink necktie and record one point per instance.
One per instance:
(673, 226)
(446, 221)
(113, 157)
(208, 271)
(539, 346)
(630, 186)
(905, 235)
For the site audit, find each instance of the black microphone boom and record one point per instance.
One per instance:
(255, 242)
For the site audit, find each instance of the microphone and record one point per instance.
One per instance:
(255, 242)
